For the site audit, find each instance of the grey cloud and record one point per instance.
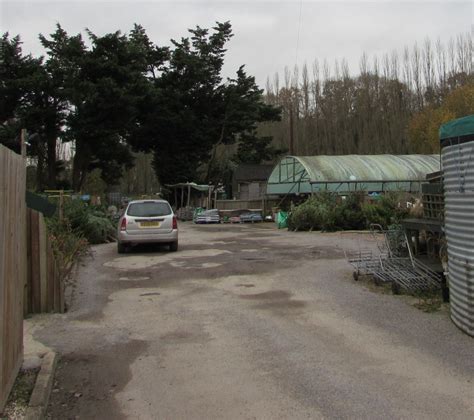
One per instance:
(265, 31)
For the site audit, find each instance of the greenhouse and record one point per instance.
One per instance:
(348, 173)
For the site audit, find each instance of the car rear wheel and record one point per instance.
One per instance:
(174, 246)
(121, 248)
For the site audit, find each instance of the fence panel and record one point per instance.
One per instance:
(45, 285)
(12, 267)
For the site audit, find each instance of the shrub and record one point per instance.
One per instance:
(385, 212)
(67, 244)
(349, 214)
(314, 213)
(324, 212)
(80, 226)
(90, 222)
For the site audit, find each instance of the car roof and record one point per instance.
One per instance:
(148, 201)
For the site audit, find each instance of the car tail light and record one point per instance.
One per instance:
(175, 222)
(123, 225)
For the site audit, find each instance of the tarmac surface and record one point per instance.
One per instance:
(248, 322)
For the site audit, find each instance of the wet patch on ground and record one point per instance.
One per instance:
(279, 301)
(184, 337)
(137, 261)
(270, 295)
(204, 264)
(232, 254)
(86, 383)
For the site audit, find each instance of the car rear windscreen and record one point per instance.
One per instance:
(150, 209)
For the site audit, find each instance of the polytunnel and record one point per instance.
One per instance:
(347, 173)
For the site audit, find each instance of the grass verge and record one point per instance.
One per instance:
(19, 398)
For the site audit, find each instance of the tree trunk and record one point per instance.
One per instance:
(292, 141)
(51, 160)
(79, 167)
(214, 151)
(40, 169)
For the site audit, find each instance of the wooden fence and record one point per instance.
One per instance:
(45, 287)
(12, 267)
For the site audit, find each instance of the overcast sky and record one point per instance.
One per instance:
(266, 32)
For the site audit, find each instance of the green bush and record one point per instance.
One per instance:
(349, 213)
(80, 226)
(90, 222)
(385, 212)
(324, 211)
(314, 213)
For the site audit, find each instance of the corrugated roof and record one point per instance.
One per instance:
(369, 167)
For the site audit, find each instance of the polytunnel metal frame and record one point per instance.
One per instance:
(374, 173)
(372, 186)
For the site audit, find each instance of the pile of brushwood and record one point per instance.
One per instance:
(80, 226)
(329, 212)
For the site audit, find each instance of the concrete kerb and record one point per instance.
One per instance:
(39, 399)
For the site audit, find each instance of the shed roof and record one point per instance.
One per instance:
(193, 185)
(252, 172)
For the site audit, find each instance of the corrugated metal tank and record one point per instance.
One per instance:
(458, 169)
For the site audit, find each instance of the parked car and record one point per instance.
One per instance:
(147, 221)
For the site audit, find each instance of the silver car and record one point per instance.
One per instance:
(147, 221)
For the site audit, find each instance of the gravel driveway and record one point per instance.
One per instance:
(247, 322)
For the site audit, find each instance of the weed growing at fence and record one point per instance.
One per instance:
(68, 245)
(17, 403)
(429, 301)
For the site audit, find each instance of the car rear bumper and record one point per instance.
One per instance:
(125, 238)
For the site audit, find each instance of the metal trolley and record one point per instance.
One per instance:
(366, 260)
(392, 261)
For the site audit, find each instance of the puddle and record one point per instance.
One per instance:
(271, 295)
(192, 266)
(276, 300)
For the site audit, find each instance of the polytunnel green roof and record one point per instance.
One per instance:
(371, 169)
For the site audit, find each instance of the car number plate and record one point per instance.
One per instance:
(149, 224)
